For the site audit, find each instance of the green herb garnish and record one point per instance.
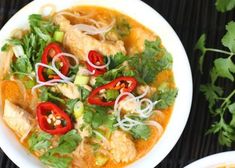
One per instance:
(224, 5)
(221, 106)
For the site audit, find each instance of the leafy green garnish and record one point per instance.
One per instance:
(165, 96)
(117, 60)
(97, 116)
(220, 105)
(224, 5)
(153, 60)
(22, 64)
(57, 157)
(5, 47)
(228, 39)
(70, 105)
(84, 93)
(33, 43)
(141, 132)
(56, 162)
(200, 45)
(48, 95)
(113, 74)
(39, 140)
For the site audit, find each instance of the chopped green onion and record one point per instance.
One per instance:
(100, 159)
(78, 109)
(58, 36)
(81, 80)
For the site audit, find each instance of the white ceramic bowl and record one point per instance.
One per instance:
(214, 161)
(151, 19)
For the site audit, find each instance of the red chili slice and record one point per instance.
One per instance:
(123, 84)
(49, 52)
(52, 119)
(96, 59)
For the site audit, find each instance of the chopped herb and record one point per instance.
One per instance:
(97, 116)
(113, 74)
(39, 140)
(84, 93)
(165, 96)
(117, 60)
(5, 47)
(33, 43)
(221, 105)
(48, 95)
(224, 5)
(57, 157)
(141, 132)
(153, 60)
(22, 64)
(70, 105)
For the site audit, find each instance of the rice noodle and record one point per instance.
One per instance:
(84, 71)
(64, 79)
(75, 15)
(57, 71)
(98, 66)
(155, 124)
(92, 30)
(126, 123)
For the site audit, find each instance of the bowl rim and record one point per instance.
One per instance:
(214, 160)
(171, 42)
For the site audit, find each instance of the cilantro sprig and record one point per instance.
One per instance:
(224, 5)
(221, 104)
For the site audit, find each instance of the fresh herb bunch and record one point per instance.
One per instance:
(221, 106)
(225, 5)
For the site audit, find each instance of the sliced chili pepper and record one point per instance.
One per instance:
(96, 59)
(122, 84)
(49, 52)
(52, 119)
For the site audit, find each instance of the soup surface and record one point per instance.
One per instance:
(86, 87)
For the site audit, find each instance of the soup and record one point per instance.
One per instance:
(86, 87)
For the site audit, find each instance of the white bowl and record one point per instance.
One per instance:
(216, 160)
(154, 21)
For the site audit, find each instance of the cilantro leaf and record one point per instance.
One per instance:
(225, 5)
(225, 67)
(229, 38)
(153, 60)
(200, 45)
(39, 140)
(211, 93)
(47, 95)
(70, 105)
(22, 64)
(113, 74)
(84, 93)
(165, 96)
(141, 132)
(5, 47)
(97, 116)
(56, 162)
(117, 60)
(57, 157)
